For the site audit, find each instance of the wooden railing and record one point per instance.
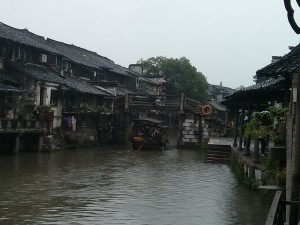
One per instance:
(29, 125)
(276, 213)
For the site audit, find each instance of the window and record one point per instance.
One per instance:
(64, 65)
(42, 95)
(54, 97)
(16, 52)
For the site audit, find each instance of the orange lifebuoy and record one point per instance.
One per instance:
(206, 110)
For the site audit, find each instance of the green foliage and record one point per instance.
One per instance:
(281, 177)
(251, 182)
(269, 168)
(260, 125)
(274, 174)
(237, 167)
(44, 109)
(204, 145)
(278, 114)
(180, 75)
(84, 107)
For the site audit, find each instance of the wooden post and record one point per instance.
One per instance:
(126, 101)
(236, 125)
(289, 160)
(295, 186)
(291, 212)
(226, 122)
(182, 101)
(241, 129)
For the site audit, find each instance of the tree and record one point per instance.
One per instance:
(180, 75)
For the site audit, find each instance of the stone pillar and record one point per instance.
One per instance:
(241, 129)
(236, 124)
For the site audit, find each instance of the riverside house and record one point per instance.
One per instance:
(62, 83)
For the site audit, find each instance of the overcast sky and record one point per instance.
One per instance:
(228, 41)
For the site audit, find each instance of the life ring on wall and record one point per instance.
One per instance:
(206, 110)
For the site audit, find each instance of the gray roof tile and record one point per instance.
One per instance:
(74, 53)
(46, 74)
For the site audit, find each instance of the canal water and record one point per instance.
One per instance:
(114, 185)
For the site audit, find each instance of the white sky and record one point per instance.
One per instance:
(228, 41)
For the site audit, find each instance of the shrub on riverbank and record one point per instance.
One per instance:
(238, 168)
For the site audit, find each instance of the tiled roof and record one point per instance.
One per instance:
(121, 91)
(76, 54)
(9, 88)
(80, 55)
(25, 37)
(81, 86)
(7, 79)
(218, 106)
(38, 72)
(262, 85)
(260, 90)
(285, 66)
(46, 74)
(224, 90)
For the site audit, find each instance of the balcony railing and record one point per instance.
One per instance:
(17, 125)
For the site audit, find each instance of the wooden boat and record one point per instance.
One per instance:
(148, 134)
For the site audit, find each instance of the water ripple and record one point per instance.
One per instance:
(114, 186)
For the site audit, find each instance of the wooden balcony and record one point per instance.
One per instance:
(25, 126)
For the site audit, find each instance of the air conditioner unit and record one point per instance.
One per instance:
(43, 58)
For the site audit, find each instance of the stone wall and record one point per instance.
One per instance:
(189, 135)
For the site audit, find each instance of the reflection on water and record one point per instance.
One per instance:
(118, 186)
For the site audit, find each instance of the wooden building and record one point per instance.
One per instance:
(62, 78)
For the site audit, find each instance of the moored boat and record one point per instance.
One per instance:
(148, 134)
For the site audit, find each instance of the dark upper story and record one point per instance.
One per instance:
(22, 45)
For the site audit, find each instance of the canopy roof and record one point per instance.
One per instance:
(271, 89)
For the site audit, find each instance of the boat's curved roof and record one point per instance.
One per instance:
(150, 121)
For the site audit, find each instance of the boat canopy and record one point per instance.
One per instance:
(150, 121)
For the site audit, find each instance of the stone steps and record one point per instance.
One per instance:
(218, 153)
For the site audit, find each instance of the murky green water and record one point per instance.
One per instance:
(118, 186)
